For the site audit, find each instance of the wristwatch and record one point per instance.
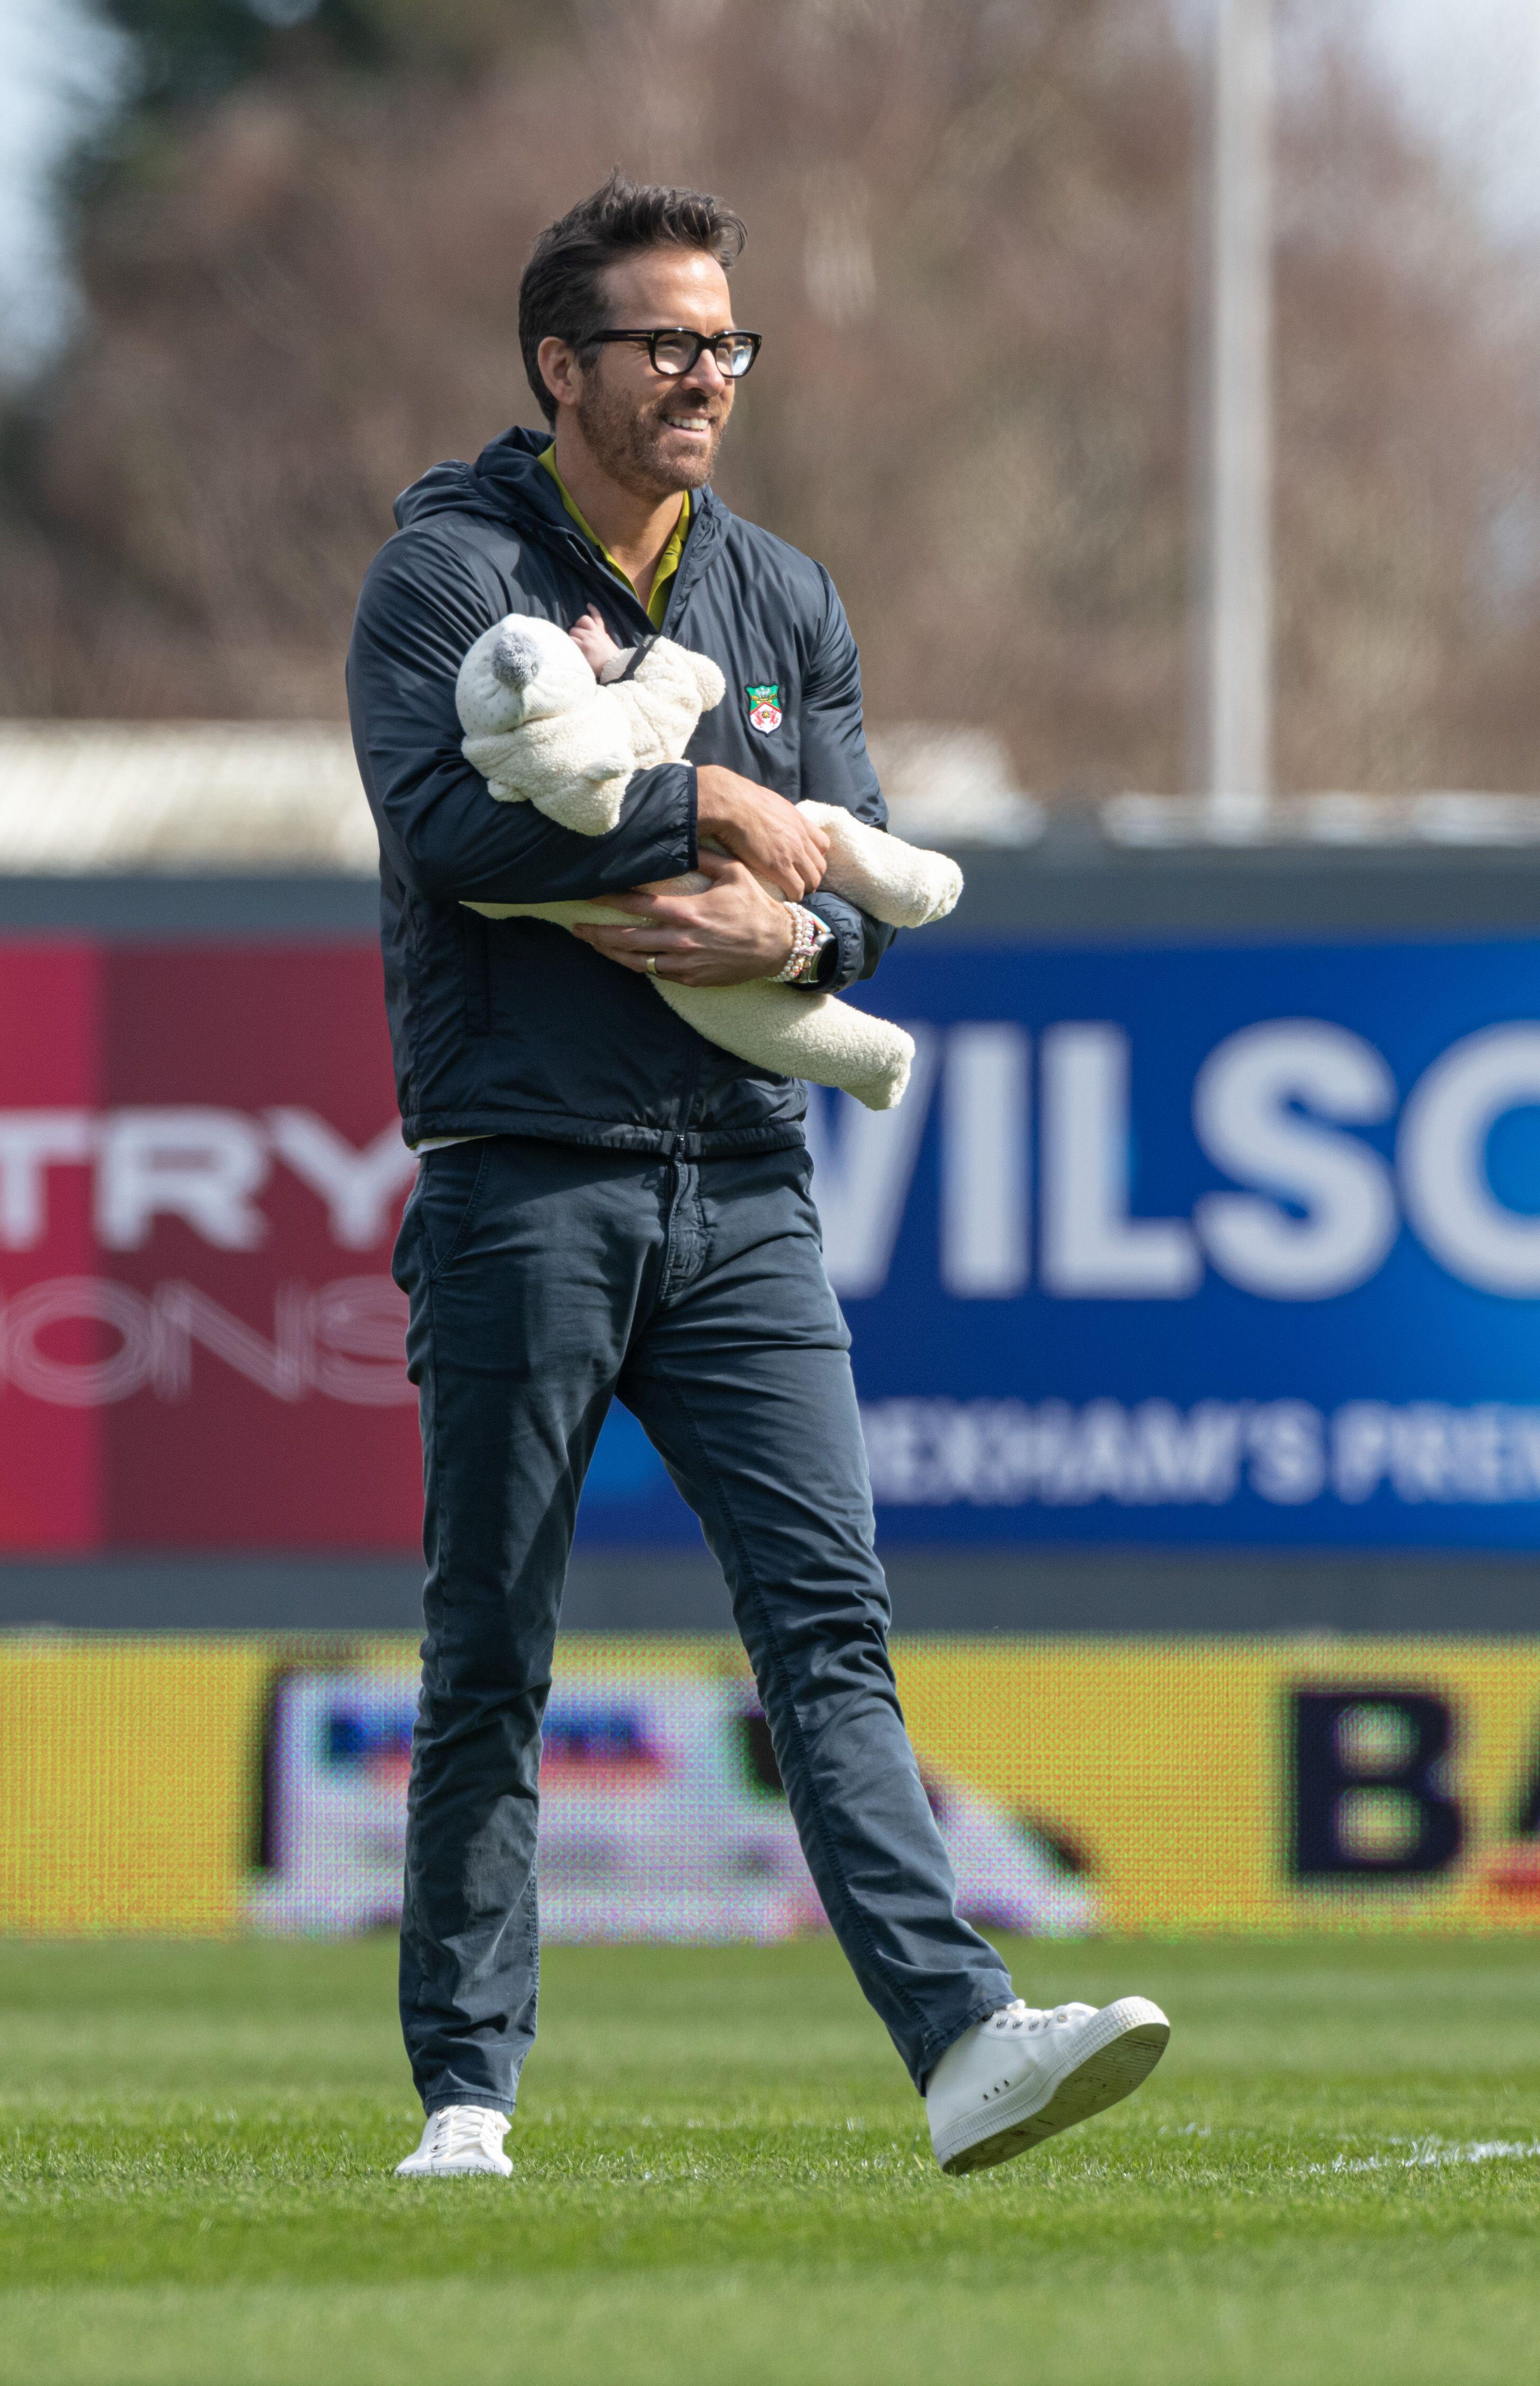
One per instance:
(812, 939)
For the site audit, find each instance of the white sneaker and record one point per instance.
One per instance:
(1023, 2076)
(459, 2139)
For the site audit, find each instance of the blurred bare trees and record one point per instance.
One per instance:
(971, 250)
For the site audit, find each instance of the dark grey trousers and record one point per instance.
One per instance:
(545, 1279)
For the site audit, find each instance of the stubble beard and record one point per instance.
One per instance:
(627, 440)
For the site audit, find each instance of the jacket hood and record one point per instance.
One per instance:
(507, 484)
(503, 485)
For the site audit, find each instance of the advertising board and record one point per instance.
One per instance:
(209, 1784)
(201, 1172)
(662, 1814)
(1193, 1244)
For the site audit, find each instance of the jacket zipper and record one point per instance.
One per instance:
(477, 961)
(687, 1103)
(671, 613)
(598, 577)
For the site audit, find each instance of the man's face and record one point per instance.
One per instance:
(653, 434)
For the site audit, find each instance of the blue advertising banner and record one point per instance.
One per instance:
(1187, 1244)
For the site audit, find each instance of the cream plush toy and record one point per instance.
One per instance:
(561, 721)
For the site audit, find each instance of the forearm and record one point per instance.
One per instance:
(859, 941)
(447, 839)
(441, 833)
(450, 841)
(836, 769)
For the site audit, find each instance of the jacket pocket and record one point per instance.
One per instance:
(476, 962)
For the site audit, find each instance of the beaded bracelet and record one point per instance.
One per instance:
(807, 933)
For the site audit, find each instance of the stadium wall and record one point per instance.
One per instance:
(1162, 1445)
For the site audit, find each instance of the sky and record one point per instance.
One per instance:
(58, 72)
(1469, 70)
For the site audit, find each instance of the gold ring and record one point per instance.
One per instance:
(652, 964)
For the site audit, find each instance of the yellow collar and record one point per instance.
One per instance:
(667, 562)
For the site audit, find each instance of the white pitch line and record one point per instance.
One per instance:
(1428, 2154)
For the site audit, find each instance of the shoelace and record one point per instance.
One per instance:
(466, 2129)
(1019, 2014)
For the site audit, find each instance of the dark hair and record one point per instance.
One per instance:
(560, 296)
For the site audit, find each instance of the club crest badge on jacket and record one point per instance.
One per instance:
(764, 707)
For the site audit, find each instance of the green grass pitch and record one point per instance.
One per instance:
(721, 2175)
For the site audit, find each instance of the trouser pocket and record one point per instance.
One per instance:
(442, 1204)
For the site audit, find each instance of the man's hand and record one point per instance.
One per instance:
(760, 828)
(731, 933)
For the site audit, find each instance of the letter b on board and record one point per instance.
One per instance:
(1367, 1791)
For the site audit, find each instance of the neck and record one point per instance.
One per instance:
(634, 529)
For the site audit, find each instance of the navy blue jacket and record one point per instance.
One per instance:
(513, 1027)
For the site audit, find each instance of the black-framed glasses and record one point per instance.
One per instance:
(677, 351)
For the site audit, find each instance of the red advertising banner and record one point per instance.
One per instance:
(201, 1175)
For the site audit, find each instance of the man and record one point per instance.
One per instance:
(609, 1207)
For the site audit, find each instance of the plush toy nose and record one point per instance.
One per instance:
(515, 659)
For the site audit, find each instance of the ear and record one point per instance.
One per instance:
(559, 370)
(515, 658)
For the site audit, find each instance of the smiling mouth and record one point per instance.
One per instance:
(694, 425)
